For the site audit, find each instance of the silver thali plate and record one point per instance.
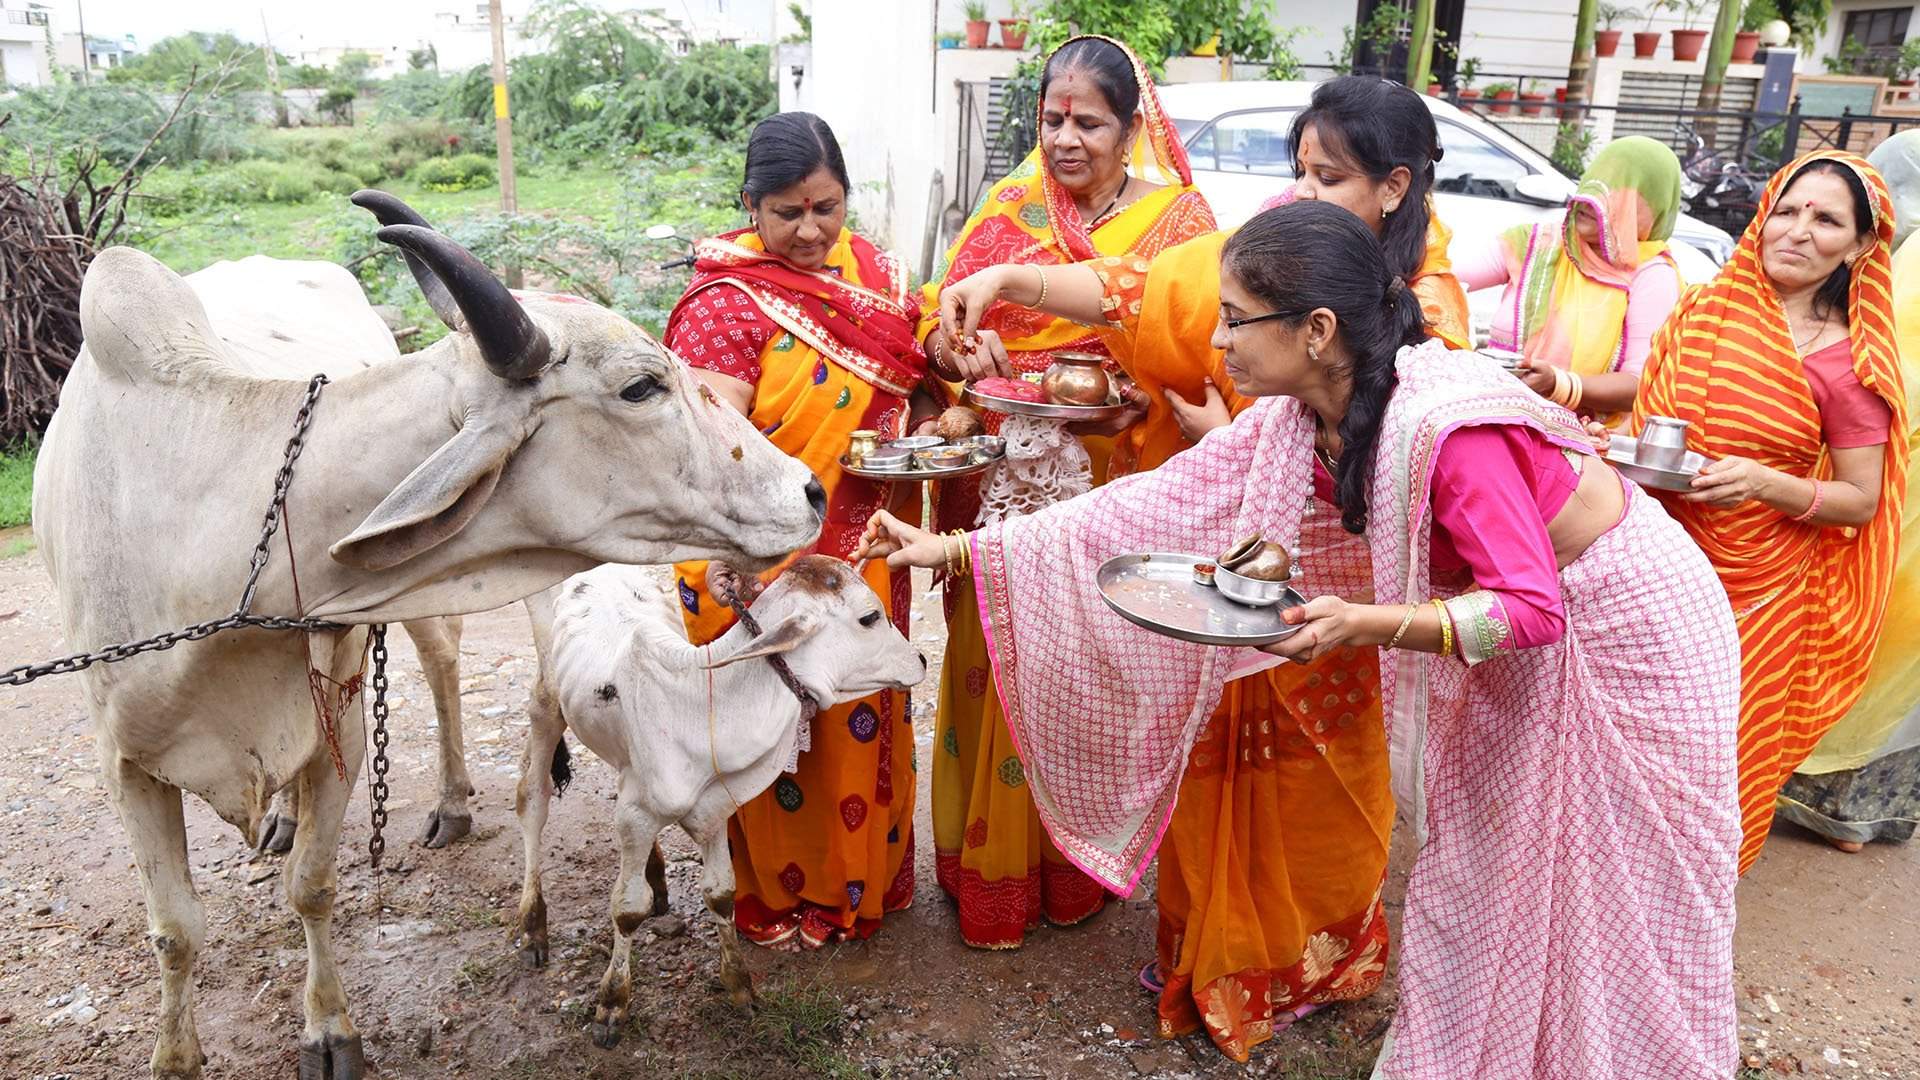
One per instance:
(913, 474)
(1157, 591)
(1508, 361)
(1045, 410)
(1620, 450)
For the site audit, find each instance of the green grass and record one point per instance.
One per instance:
(16, 490)
(305, 230)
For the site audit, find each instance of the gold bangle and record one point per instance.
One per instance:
(1579, 391)
(1412, 610)
(1559, 395)
(963, 557)
(1038, 269)
(1446, 627)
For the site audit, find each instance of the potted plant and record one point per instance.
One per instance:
(1606, 40)
(947, 40)
(1013, 31)
(1502, 95)
(1646, 40)
(976, 24)
(1532, 101)
(1746, 42)
(1906, 63)
(1464, 74)
(1689, 40)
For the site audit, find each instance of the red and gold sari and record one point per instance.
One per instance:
(1809, 600)
(991, 854)
(827, 850)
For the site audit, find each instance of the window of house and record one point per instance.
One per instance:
(1880, 31)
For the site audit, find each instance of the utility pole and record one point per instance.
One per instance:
(273, 75)
(86, 55)
(503, 124)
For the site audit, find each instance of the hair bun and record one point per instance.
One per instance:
(1395, 286)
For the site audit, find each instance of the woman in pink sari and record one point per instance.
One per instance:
(1562, 670)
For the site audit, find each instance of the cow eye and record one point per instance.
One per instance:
(641, 389)
(871, 618)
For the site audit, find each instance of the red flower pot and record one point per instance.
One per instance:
(1503, 101)
(977, 34)
(1606, 42)
(1644, 44)
(1434, 89)
(1688, 43)
(1468, 95)
(1746, 44)
(1013, 33)
(1533, 104)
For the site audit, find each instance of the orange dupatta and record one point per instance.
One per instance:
(1809, 601)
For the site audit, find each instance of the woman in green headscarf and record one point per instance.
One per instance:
(1863, 781)
(1586, 290)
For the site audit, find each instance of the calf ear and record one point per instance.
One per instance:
(433, 503)
(781, 639)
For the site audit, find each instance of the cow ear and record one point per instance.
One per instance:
(781, 639)
(434, 502)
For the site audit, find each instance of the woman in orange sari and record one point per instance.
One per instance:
(1786, 370)
(807, 329)
(1272, 864)
(1108, 177)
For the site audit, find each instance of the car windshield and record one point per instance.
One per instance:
(1259, 143)
(1472, 165)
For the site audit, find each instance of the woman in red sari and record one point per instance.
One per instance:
(807, 329)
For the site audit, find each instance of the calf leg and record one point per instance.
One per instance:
(632, 903)
(330, 1048)
(276, 829)
(438, 643)
(537, 782)
(156, 828)
(716, 886)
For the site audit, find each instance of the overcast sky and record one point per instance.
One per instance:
(320, 22)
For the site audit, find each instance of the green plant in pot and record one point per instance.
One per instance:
(1606, 40)
(1646, 40)
(1690, 38)
(976, 24)
(1533, 101)
(1013, 31)
(1464, 74)
(1502, 95)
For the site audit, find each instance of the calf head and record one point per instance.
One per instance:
(581, 432)
(834, 633)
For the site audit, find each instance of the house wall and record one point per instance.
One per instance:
(1519, 37)
(1829, 44)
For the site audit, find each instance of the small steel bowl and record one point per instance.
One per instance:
(1203, 573)
(1245, 590)
(914, 443)
(887, 459)
(984, 447)
(943, 457)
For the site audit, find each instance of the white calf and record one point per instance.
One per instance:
(690, 729)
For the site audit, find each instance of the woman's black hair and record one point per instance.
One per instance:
(1378, 126)
(785, 149)
(1309, 255)
(1108, 66)
(1832, 295)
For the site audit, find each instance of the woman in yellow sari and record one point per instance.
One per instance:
(807, 329)
(1271, 868)
(1108, 177)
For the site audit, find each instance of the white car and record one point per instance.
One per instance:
(1238, 137)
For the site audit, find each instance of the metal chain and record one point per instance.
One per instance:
(113, 654)
(808, 707)
(377, 846)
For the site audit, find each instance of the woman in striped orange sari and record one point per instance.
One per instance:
(1109, 177)
(1786, 369)
(807, 328)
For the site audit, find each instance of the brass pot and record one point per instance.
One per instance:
(1259, 559)
(1077, 379)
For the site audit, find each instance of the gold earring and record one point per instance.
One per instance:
(1313, 354)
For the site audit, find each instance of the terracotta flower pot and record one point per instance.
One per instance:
(1645, 44)
(1434, 89)
(1503, 102)
(977, 34)
(1688, 43)
(1606, 42)
(1533, 104)
(1013, 33)
(1468, 95)
(1746, 45)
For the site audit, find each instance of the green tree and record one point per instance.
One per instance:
(170, 62)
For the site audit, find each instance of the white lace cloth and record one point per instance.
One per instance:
(1044, 465)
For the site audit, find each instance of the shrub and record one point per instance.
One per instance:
(457, 173)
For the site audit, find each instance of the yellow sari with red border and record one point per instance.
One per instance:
(991, 854)
(1809, 600)
(827, 850)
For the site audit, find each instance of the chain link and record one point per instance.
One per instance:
(241, 617)
(377, 846)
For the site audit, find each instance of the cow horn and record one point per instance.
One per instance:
(509, 341)
(389, 210)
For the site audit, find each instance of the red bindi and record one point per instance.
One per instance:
(809, 205)
(1067, 109)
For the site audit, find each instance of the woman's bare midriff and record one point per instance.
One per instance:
(1596, 505)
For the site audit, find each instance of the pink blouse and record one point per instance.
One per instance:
(1850, 414)
(1651, 296)
(723, 330)
(1495, 487)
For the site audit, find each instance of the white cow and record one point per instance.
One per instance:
(538, 441)
(690, 729)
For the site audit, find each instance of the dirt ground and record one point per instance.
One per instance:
(1828, 948)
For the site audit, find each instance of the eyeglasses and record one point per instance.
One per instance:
(1235, 324)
